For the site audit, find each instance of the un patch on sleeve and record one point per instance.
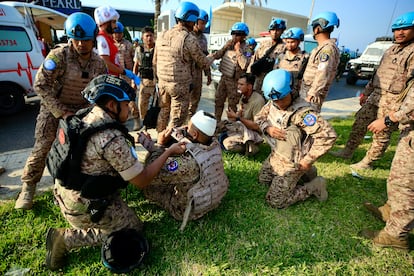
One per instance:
(324, 57)
(172, 166)
(309, 119)
(49, 64)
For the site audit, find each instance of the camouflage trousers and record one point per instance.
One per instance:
(146, 91)
(45, 133)
(174, 100)
(197, 86)
(400, 187)
(284, 189)
(226, 89)
(366, 115)
(84, 232)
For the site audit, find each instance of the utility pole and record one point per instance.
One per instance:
(310, 16)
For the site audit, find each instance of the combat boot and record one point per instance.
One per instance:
(364, 164)
(383, 239)
(317, 187)
(25, 199)
(55, 249)
(137, 124)
(382, 213)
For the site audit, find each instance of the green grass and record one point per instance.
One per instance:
(244, 236)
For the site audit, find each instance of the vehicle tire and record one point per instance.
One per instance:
(11, 98)
(351, 78)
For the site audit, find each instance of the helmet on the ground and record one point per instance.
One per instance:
(277, 23)
(240, 28)
(105, 14)
(251, 41)
(119, 28)
(277, 84)
(325, 20)
(187, 12)
(80, 26)
(110, 85)
(205, 122)
(203, 16)
(405, 20)
(294, 33)
(124, 250)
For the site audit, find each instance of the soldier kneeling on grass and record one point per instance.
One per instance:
(190, 185)
(299, 136)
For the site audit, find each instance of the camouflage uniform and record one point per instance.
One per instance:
(296, 65)
(126, 55)
(232, 65)
(191, 184)
(198, 76)
(260, 52)
(382, 91)
(400, 184)
(238, 133)
(175, 52)
(309, 136)
(59, 90)
(107, 153)
(320, 72)
(147, 87)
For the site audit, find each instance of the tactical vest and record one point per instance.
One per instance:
(228, 64)
(75, 80)
(66, 154)
(171, 66)
(190, 196)
(145, 67)
(392, 74)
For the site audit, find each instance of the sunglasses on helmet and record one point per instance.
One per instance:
(319, 22)
(78, 31)
(275, 95)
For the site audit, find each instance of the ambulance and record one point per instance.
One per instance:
(20, 50)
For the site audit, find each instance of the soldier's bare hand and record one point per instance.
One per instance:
(231, 114)
(177, 148)
(164, 136)
(276, 133)
(377, 126)
(304, 166)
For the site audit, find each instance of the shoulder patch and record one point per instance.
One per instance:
(172, 165)
(324, 57)
(309, 119)
(49, 64)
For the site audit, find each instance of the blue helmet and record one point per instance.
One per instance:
(119, 27)
(203, 16)
(277, 84)
(81, 26)
(187, 12)
(110, 85)
(239, 28)
(325, 20)
(294, 33)
(403, 21)
(251, 41)
(277, 23)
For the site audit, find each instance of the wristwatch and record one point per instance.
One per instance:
(388, 122)
(238, 119)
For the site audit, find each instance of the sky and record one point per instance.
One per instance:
(361, 21)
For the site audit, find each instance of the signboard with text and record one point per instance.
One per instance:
(63, 6)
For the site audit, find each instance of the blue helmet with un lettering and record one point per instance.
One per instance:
(109, 85)
(119, 27)
(294, 33)
(203, 16)
(403, 21)
(277, 23)
(325, 20)
(277, 84)
(239, 28)
(81, 26)
(187, 12)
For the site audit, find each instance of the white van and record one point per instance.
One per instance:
(20, 51)
(364, 67)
